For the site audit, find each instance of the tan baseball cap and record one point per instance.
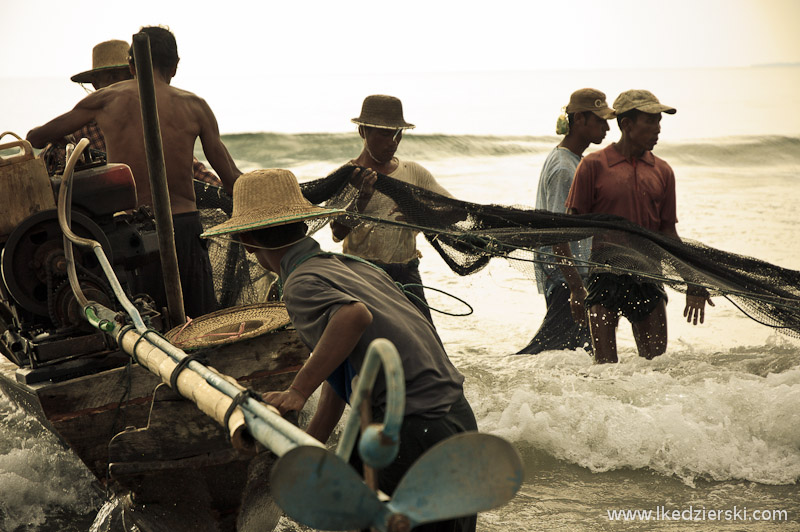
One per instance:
(641, 100)
(590, 100)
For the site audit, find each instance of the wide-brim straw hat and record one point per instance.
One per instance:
(382, 111)
(268, 198)
(108, 55)
(229, 326)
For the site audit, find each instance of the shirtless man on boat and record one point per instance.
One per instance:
(109, 65)
(184, 117)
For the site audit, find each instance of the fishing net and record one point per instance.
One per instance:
(238, 278)
(468, 235)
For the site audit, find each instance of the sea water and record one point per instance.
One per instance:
(710, 430)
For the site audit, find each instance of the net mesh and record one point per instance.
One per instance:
(238, 278)
(468, 235)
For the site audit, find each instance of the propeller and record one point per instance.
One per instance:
(461, 475)
(316, 488)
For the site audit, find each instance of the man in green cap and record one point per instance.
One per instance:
(394, 249)
(585, 122)
(626, 179)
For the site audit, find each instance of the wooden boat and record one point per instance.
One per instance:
(140, 438)
(175, 465)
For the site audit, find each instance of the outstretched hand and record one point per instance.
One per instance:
(696, 308)
(285, 401)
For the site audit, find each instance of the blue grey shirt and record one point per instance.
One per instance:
(554, 184)
(317, 284)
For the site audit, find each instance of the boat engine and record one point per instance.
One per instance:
(40, 319)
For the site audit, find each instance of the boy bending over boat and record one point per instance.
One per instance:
(339, 304)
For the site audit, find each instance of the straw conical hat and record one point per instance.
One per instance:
(108, 55)
(268, 198)
(229, 326)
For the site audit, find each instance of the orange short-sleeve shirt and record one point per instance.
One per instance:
(642, 191)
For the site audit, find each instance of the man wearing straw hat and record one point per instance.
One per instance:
(626, 179)
(339, 304)
(109, 66)
(184, 117)
(381, 125)
(585, 122)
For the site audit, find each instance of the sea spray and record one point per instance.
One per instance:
(39, 478)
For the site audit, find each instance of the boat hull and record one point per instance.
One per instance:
(138, 437)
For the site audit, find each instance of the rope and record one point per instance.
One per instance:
(240, 398)
(144, 337)
(200, 356)
(743, 311)
(411, 294)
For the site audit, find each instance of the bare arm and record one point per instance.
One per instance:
(336, 343)
(573, 278)
(329, 411)
(61, 126)
(696, 297)
(215, 151)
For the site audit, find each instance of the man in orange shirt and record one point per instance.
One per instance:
(626, 179)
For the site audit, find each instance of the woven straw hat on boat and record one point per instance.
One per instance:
(382, 111)
(108, 55)
(229, 326)
(267, 198)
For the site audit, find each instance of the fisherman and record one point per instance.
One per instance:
(585, 122)
(109, 66)
(339, 304)
(184, 117)
(394, 249)
(626, 179)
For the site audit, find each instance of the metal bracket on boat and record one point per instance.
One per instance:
(379, 442)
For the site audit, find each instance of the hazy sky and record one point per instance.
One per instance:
(232, 37)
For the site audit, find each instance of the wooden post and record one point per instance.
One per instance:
(158, 179)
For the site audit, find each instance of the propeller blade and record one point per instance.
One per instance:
(316, 488)
(462, 475)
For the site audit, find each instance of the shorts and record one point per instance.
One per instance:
(624, 295)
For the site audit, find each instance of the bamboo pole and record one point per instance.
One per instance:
(208, 399)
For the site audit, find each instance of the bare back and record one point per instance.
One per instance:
(183, 117)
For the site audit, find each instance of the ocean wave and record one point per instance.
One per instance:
(682, 415)
(270, 150)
